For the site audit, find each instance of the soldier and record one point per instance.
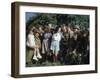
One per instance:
(85, 47)
(72, 45)
(64, 45)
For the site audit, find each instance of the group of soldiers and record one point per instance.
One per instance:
(66, 44)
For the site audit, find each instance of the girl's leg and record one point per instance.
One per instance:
(53, 55)
(56, 51)
(54, 59)
(56, 56)
(35, 55)
(38, 53)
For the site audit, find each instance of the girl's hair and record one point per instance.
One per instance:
(57, 29)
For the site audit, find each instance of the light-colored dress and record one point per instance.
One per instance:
(37, 50)
(55, 44)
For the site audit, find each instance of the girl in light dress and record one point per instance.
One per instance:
(55, 43)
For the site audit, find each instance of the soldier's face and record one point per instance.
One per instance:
(84, 34)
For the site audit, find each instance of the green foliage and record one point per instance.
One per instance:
(58, 19)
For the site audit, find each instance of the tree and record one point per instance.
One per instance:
(58, 19)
